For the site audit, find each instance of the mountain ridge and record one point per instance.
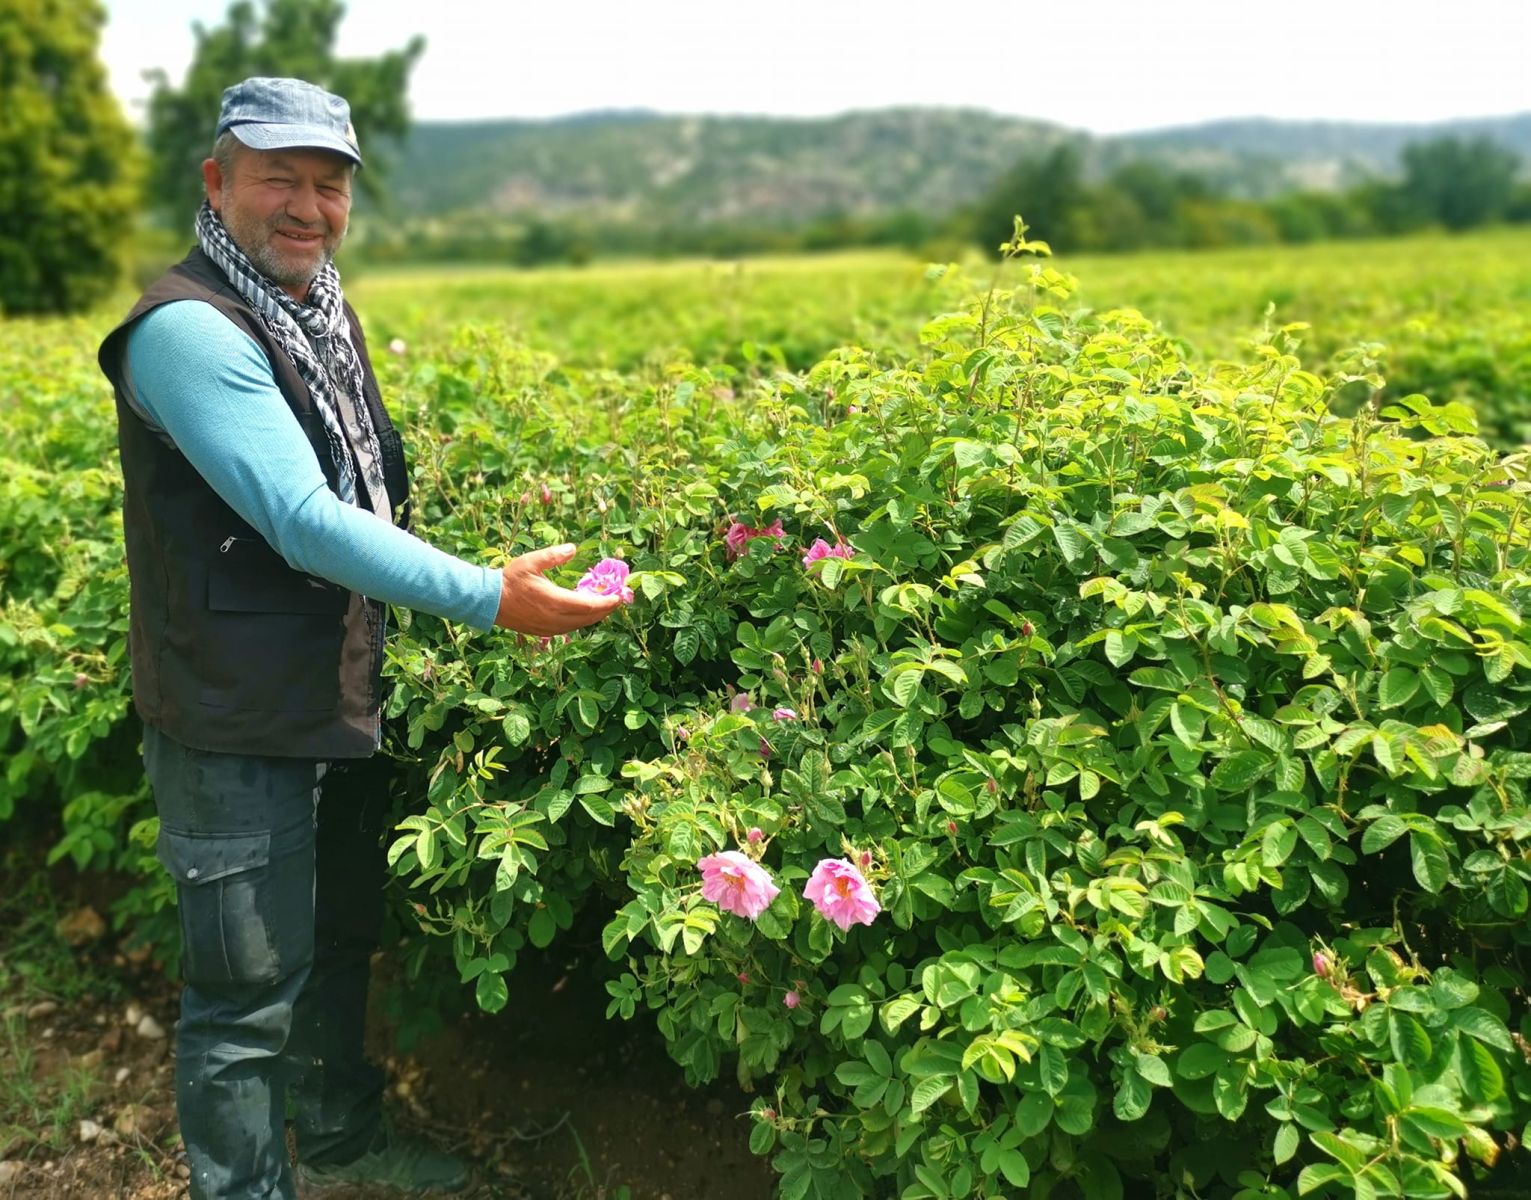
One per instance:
(642, 167)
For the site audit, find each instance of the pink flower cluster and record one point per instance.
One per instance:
(607, 578)
(740, 535)
(822, 549)
(738, 884)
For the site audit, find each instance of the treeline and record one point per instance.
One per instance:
(1449, 183)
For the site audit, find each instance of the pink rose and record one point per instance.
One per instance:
(792, 999)
(784, 714)
(740, 535)
(547, 494)
(607, 578)
(755, 835)
(840, 893)
(822, 549)
(740, 703)
(736, 883)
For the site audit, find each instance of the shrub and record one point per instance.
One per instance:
(1172, 717)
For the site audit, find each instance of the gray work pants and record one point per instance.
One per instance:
(278, 872)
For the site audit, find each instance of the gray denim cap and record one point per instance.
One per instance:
(282, 114)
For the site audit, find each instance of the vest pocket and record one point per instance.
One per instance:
(248, 576)
(232, 929)
(274, 634)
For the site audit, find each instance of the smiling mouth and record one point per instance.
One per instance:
(307, 240)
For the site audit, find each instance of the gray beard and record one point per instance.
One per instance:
(251, 238)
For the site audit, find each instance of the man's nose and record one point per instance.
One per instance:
(303, 204)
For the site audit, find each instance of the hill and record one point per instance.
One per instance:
(654, 169)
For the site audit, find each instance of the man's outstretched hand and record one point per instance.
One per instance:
(532, 604)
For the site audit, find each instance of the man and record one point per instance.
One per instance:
(265, 516)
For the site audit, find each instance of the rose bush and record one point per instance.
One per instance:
(1164, 733)
(1145, 691)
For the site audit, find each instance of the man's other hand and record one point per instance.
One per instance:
(529, 603)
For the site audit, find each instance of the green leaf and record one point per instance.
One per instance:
(1382, 833)
(1033, 1113)
(541, 929)
(687, 642)
(599, 808)
(491, 992)
(1120, 647)
(928, 1091)
(1397, 687)
(1481, 1077)
(1428, 855)
(1436, 1122)
(1238, 771)
(1485, 1027)
(1410, 1042)
(1287, 1139)
(1133, 1095)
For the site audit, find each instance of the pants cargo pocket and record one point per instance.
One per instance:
(242, 920)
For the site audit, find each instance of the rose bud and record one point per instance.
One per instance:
(547, 494)
(754, 835)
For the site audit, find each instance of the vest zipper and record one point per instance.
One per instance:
(228, 543)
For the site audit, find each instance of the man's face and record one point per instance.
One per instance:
(286, 209)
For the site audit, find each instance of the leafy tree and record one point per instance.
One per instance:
(1047, 187)
(68, 159)
(1460, 183)
(287, 38)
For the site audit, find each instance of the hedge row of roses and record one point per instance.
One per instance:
(1170, 721)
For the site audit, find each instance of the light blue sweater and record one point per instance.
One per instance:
(206, 385)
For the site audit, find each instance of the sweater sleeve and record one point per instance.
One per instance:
(209, 387)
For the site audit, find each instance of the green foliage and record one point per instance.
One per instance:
(1177, 719)
(1457, 182)
(1174, 716)
(68, 160)
(1048, 187)
(284, 38)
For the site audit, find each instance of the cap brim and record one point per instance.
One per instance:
(292, 137)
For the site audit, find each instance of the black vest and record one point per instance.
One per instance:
(231, 649)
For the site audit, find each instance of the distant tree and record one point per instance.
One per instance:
(284, 37)
(1047, 189)
(1457, 182)
(69, 162)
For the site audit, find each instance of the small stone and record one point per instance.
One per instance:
(92, 1058)
(183, 1171)
(149, 1029)
(43, 1008)
(133, 1014)
(89, 1131)
(123, 1073)
(81, 926)
(10, 1171)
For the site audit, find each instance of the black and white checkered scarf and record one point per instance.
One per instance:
(317, 337)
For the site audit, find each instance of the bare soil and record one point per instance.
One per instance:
(549, 1099)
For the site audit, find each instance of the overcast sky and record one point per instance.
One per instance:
(1103, 65)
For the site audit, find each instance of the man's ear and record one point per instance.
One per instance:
(212, 180)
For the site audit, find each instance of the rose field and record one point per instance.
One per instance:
(1067, 739)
